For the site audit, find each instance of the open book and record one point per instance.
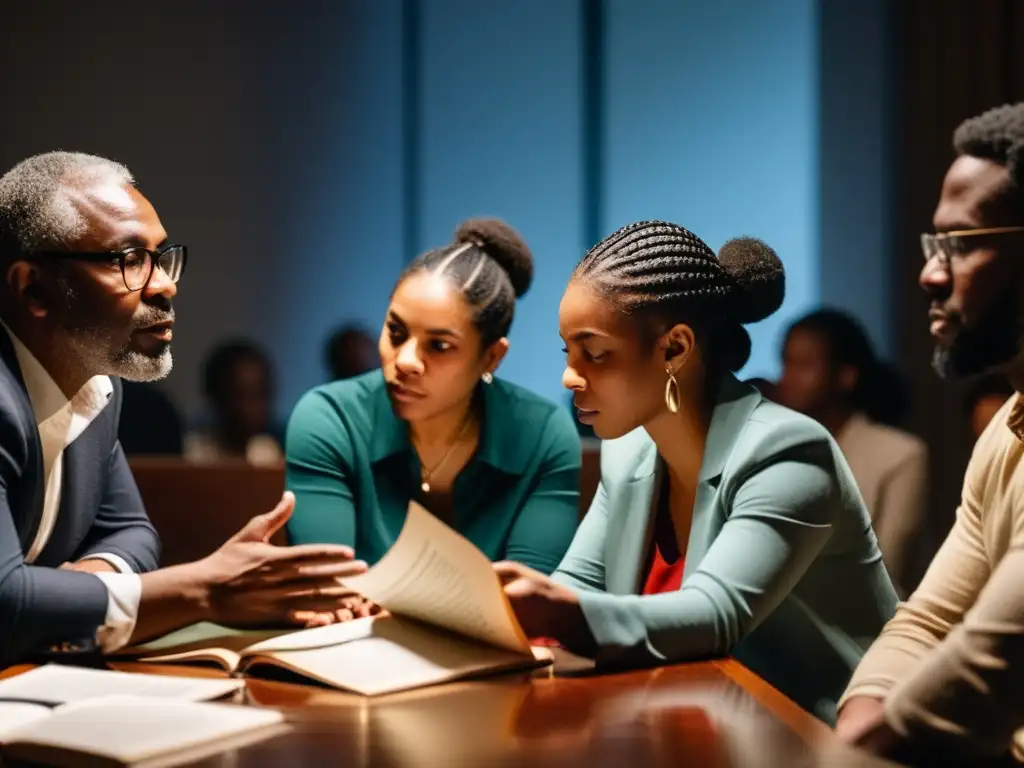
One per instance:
(54, 684)
(135, 731)
(449, 619)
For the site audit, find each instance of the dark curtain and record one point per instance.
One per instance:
(956, 59)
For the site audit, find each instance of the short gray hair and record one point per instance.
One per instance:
(36, 211)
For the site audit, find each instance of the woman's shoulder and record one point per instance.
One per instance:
(769, 416)
(769, 433)
(524, 427)
(516, 403)
(338, 412)
(774, 431)
(344, 395)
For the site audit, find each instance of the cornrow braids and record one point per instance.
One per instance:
(490, 265)
(664, 274)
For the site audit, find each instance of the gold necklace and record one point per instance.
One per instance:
(428, 473)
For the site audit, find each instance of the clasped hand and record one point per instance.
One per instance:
(862, 723)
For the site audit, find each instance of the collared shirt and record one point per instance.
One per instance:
(354, 470)
(950, 664)
(61, 422)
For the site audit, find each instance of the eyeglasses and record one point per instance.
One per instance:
(136, 263)
(947, 245)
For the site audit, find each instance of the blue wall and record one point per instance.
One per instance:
(500, 135)
(856, 185)
(326, 142)
(339, 145)
(489, 125)
(708, 115)
(711, 115)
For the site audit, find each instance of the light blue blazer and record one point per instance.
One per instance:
(782, 570)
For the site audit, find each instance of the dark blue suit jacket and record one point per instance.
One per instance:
(100, 512)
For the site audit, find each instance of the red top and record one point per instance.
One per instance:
(663, 576)
(666, 569)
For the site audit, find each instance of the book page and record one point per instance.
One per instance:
(61, 685)
(202, 642)
(13, 717)
(383, 654)
(315, 638)
(133, 729)
(226, 660)
(435, 575)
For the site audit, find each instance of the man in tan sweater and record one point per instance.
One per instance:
(945, 680)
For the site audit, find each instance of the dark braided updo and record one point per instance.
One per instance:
(491, 267)
(663, 274)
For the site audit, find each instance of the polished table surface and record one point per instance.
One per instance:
(702, 714)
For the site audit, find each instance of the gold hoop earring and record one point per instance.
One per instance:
(672, 396)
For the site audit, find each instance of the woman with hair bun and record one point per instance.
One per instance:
(724, 524)
(496, 462)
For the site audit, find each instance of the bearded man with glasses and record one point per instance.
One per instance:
(944, 682)
(86, 299)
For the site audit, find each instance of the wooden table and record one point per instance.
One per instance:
(706, 714)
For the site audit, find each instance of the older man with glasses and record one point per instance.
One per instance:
(86, 299)
(944, 683)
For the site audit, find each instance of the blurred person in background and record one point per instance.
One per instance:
(238, 381)
(350, 351)
(831, 373)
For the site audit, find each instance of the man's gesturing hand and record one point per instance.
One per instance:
(249, 581)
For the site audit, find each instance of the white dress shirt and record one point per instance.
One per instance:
(61, 422)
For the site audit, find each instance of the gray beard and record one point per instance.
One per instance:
(135, 366)
(91, 350)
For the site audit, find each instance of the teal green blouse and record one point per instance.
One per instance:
(353, 472)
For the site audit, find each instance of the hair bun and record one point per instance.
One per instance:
(759, 276)
(503, 244)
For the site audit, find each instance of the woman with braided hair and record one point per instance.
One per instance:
(724, 524)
